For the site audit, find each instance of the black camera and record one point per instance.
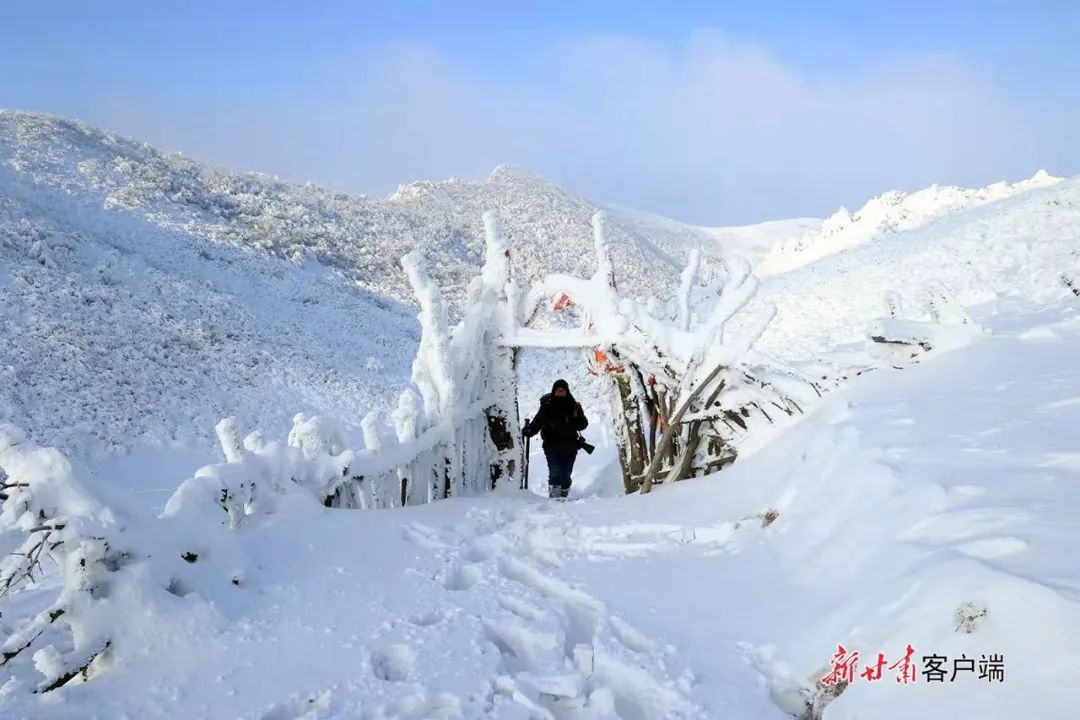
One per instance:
(582, 445)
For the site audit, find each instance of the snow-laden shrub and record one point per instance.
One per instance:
(75, 578)
(259, 476)
(52, 518)
(897, 340)
(317, 435)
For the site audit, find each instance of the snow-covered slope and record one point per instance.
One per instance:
(755, 242)
(120, 331)
(883, 216)
(934, 507)
(361, 236)
(144, 295)
(1025, 246)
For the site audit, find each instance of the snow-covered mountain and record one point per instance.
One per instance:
(152, 294)
(144, 296)
(362, 237)
(1020, 247)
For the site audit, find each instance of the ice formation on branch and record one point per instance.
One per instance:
(665, 365)
(457, 438)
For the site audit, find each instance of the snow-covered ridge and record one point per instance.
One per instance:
(361, 236)
(1025, 246)
(751, 241)
(887, 213)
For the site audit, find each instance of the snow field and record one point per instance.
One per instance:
(934, 506)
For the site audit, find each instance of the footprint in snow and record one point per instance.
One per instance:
(522, 647)
(393, 663)
(462, 576)
(431, 617)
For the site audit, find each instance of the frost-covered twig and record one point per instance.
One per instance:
(312, 461)
(431, 368)
(62, 522)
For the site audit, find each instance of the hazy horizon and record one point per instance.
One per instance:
(710, 115)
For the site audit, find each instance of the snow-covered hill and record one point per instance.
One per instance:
(145, 295)
(119, 331)
(361, 236)
(885, 215)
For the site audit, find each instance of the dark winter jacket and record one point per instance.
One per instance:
(558, 421)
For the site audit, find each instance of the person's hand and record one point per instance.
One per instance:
(527, 429)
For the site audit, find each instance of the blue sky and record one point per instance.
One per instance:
(713, 112)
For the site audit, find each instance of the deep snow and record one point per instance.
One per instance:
(902, 499)
(145, 297)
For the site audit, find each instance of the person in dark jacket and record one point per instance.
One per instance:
(559, 421)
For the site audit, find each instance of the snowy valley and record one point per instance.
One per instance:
(925, 494)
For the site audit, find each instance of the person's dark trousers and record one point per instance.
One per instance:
(560, 466)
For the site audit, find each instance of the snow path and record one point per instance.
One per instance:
(492, 586)
(562, 653)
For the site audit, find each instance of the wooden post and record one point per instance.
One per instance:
(667, 440)
(503, 439)
(630, 431)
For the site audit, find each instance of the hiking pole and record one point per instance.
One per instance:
(525, 473)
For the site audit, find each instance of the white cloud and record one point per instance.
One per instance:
(709, 130)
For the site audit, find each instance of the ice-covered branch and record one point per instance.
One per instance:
(431, 368)
(686, 286)
(229, 439)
